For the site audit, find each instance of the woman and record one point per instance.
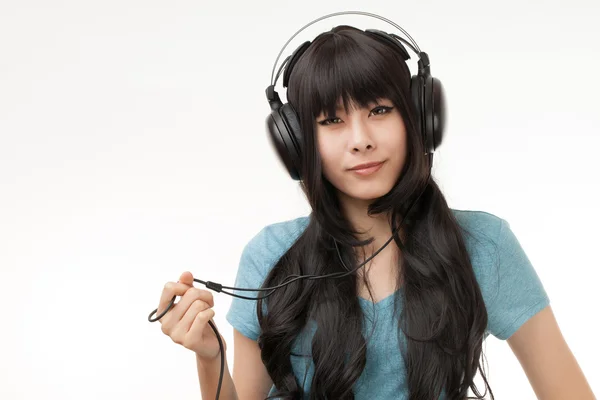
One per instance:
(411, 322)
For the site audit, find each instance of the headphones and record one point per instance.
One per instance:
(427, 95)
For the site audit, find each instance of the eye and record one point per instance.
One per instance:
(328, 121)
(381, 110)
(376, 111)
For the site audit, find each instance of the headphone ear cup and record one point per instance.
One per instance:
(280, 141)
(293, 135)
(416, 89)
(430, 102)
(435, 111)
(283, 131)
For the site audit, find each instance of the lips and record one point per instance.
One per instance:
(366, 165)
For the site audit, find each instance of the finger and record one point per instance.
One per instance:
(171, 289)
(199, 327)
(187, 278)
(199, 323)
(198, 294)
(188, 318)
(192, 295)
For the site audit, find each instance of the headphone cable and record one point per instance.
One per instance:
(218, 287)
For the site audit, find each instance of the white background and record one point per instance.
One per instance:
(133, 148)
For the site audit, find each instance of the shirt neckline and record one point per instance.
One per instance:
(381, 304)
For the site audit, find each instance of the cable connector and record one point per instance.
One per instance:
(217, 287)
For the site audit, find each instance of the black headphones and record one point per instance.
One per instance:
(427, 93)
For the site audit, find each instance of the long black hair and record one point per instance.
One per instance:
(444, 316)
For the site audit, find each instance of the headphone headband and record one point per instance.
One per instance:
(415, 48)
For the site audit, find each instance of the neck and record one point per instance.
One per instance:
(376, 226)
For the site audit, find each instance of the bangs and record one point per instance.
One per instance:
(350, 70)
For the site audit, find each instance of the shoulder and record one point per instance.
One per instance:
(482, 233)
(259, 255)
(482, 230)
(511, 288)
(274, 239)
(478, 220)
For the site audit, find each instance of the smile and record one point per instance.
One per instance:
(369, 170)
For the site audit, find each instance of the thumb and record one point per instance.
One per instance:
(187, 278)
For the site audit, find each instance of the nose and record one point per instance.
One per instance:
(360, 138)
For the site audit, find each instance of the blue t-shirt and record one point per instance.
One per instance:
(511, 289)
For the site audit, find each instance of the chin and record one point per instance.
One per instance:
(368, 191)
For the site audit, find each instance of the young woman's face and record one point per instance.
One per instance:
(363, 135)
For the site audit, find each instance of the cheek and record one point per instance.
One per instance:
(330, 160)
(398, 144)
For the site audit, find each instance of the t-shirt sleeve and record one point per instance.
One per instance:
(517, 293)
(258, 257)
(250, 274)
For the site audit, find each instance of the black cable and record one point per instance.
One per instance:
(218, 287)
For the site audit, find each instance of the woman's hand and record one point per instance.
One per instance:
(186, 323)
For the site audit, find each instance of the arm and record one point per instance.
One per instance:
(251, 377)
(208, 375)
(249, 373)
(547, 360)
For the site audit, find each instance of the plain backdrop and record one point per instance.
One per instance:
(133, 148)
